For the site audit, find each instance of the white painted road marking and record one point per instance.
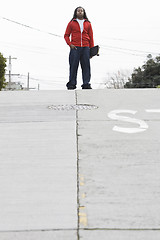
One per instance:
(153, 110)
(142, 125)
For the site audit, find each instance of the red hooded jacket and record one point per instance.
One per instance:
(78, 39)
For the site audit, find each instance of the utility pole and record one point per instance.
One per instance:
(10, 69)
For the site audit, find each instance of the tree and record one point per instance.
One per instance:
(2, 71)
(148, 76)
(117, 79)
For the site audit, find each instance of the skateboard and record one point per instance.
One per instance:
(94, 51)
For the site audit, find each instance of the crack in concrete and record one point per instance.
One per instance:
(120, 229)
(38, 230)
(80, 229)
(78, 202)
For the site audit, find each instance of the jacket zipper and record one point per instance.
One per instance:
(81, 39)
(81, 35)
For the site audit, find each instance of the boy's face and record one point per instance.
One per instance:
(80, 13)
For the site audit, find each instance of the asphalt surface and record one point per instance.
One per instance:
(80, 164)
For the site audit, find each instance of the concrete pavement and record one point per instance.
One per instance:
(80, 165)
(38, 166)
(119, 164)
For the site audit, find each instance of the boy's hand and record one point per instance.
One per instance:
(73, 47)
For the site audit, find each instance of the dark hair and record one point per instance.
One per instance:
(75, 14)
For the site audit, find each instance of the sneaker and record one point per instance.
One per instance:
(86, 86)
(71, 87)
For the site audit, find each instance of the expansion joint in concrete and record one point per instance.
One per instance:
(78, 200)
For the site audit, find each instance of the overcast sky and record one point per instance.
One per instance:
(127, 31)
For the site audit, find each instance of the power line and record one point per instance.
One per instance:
(56, 35)
(33, 28)
(42, 50)
(135, 41)
(120, 51)
(126, 49)
(43, 80)
(103, 46)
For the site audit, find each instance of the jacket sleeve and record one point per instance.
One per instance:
(91, 37)
(67, 34)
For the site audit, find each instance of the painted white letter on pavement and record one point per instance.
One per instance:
(142, 125)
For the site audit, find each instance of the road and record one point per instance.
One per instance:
(80, 164)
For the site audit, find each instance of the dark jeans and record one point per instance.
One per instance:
(82, 55)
